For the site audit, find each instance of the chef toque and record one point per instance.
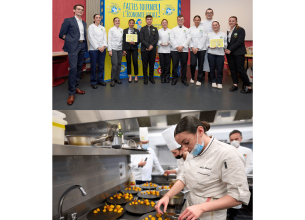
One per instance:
(143, 133)
(169, 138)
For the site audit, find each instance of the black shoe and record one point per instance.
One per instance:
(174, 82)
(233, 88)
(162, 80)
(112, 84)
(118, 81)
(146, 81)
(102, 83)
(185, 82)
(130, 81)
(152, 80)
(136, 81)
(246, 90)
(94, 86)
(167, 80)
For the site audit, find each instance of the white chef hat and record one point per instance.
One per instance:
(143, 133)
(169, 138)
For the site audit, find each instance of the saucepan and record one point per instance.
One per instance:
(175, 200)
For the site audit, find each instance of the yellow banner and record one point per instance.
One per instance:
(137, 10)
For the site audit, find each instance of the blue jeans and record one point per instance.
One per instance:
(216, 62)
(97, 57)
(76, 60)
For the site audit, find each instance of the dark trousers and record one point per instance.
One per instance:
(98, 57)
(232, 213)
(148, 57)
(175, 57)
(236, 64)
(116, 60)
(216, 62)
(134, 54)
(138, 182)
(76, 60)
(165, 63)
(200, 57)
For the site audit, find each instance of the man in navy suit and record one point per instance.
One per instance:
(73, 32)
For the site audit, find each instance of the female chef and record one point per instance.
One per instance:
(213, 172)
(115, 40)
(236, 55)
(198, 49)
(216, 55)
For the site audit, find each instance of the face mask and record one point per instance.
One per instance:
(198, 148)
(178, 157)
(235, 143)
(145, 146)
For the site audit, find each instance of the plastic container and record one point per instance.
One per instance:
(58, 127)
(132, 180)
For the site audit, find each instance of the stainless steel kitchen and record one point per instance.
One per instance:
(119, 164)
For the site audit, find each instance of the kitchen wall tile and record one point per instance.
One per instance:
(84, 172)
(68, 203)
(63, 175)
(84, 160)
(88, 183)
(101, 168)
(113, 176)
(62, 161)
(59, 190)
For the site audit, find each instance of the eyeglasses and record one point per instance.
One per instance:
(209, 13)
(79, 9)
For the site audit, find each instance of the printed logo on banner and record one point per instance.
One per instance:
(114, 8)
(123, 73)
(168, 10)
(138, 23)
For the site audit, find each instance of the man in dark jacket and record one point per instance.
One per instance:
(149, 38)
(73, 32)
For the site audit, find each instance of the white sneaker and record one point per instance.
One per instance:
(219, 86)
(214, 85)
(192, 81)
(198, 83)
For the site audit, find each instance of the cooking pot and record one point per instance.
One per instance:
(175, 200)
(172, 182)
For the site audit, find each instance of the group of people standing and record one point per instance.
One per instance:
(170, 44)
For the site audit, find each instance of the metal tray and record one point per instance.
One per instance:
(131, 191)
(104, 215)
(133, 149)
(117, 201)
(146, 196)
(139, 208)
(157, 189)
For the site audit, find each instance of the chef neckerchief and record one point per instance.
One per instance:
(208, 146)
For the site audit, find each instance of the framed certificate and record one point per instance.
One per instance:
(216, 43)
(131, 38)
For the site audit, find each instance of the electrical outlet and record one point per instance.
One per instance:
(122, 170)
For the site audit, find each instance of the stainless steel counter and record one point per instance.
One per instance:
(70, 150)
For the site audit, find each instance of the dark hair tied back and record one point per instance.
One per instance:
(190, 124)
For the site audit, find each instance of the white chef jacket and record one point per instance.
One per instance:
(198, 37)
(180, 37)
(216, 172)
(164, 34)
(207, 24)
(248, 157)
(81, 28)
(97, 36)
(219, 35)
(115, 38)
(144, 173)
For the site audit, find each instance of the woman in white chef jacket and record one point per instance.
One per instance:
(213, 172)
(198, 49)
(142, 170)
(164, 51)
(97, 50)
(115, 40)
(216, 55)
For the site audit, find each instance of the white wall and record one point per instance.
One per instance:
(223, 9)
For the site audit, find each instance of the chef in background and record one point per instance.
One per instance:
(235, 139)
(142, 169)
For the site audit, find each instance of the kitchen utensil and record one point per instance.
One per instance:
(148, 187)
(104, 215)
(132, 144)
(139, 208)
(175, 200)
(117, 140)
(146, 196)
(117, 201)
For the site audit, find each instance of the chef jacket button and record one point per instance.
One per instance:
(239, 185)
